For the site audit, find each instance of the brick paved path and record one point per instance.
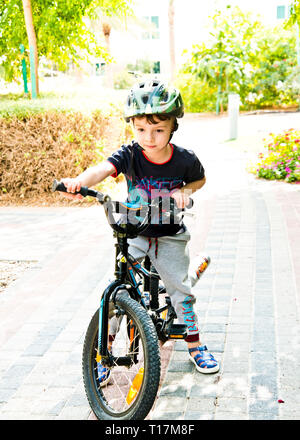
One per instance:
(248, 301)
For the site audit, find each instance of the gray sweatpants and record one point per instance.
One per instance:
(172, 263)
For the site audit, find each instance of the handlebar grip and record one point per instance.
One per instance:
(59, 186)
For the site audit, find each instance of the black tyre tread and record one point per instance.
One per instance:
(151, 351)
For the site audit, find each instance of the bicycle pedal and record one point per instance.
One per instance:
(177, 331)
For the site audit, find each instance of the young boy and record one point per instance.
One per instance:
(152, 165)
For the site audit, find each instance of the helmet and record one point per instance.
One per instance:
(153, 97)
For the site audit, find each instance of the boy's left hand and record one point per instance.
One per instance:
(182, 198)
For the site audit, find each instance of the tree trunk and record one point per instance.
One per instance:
(172, 39)
(109, 80)
(31, 40)
(106, 29)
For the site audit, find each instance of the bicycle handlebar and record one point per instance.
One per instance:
(119, 207)
(84, 190)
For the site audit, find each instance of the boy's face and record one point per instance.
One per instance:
(153, 138)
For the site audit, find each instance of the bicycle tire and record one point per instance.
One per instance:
(99, 398)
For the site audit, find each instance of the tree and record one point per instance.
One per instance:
(295, 13)
(273, 65)
(32, 43)
(61, 27)
(223, 62)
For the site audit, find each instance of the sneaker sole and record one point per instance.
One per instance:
(214, 369)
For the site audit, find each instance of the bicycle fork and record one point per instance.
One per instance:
(105, 355)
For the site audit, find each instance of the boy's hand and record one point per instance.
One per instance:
(182, 198)
(72, 185)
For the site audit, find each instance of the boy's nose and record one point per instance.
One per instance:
(149, 136)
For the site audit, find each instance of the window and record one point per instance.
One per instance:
(156, 67)
(155, 22)
(280, 12)
(154, 32)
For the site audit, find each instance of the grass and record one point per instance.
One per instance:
(17, 105)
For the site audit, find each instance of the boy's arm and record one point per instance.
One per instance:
(183, 194)
(90, 177)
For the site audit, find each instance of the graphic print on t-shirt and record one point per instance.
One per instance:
(147, 180)
(152, 187)
(148, 189)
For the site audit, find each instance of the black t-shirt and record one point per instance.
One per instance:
(147, 180)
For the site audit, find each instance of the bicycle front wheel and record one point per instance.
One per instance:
(130, 391)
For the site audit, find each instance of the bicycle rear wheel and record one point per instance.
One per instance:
(121, 398)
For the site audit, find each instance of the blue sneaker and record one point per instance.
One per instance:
(204, 361)
(104, 374)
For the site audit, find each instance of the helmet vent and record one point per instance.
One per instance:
(165, 97)
(155, 83)
(145, 99)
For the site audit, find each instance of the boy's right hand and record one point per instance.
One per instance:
(72, 185)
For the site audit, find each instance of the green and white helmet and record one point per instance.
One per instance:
(153, 97)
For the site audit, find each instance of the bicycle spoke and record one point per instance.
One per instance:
(126, 343)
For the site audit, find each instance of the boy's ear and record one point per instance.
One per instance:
(175, 125)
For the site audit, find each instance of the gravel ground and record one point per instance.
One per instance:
(12, 270)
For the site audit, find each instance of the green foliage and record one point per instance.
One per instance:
(62, 29)
(246, 58)
(281, 161)
(294, 14)
(123, 80)
(272, 66)
(15, 106)
(196, 93)
(222, 62)
(142, 66)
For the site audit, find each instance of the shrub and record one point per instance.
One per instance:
(196, 93)
(123, 80)
(40, 147)
(281, 161)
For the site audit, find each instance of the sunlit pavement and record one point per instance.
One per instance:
(248, 300)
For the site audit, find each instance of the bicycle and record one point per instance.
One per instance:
(136, 312)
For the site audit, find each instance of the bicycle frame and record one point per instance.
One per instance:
(125, 268)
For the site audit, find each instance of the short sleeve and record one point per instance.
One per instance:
(120, 160)
(195, 170)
